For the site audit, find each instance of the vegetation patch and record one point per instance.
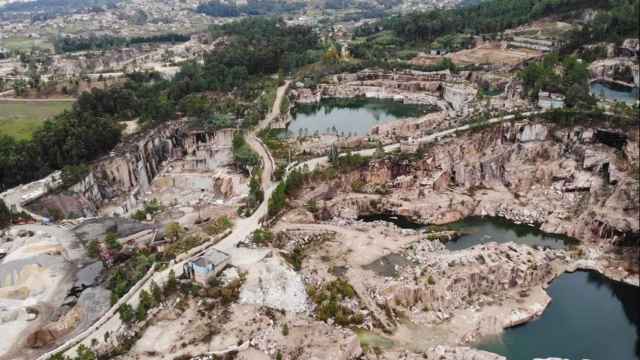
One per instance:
(328, 300)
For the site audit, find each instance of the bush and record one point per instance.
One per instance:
(139, 215)
(357, 185)
(111, 240)
(55, 214)
(262, 236)
(295, 258)
(126, 313)
(173, 231)
(218, 226)
(328, 298)
(172, 284)
(72, 174)
(93, 249)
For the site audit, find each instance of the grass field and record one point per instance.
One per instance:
(25, 43)
(21, 119)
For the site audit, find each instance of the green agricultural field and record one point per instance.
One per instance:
(21, 119)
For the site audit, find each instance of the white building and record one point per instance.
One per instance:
(548, 100)
(208, 265)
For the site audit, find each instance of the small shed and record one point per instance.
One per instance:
(209, 264)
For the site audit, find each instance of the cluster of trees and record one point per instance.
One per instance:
(5, 215)
(52, 7)
(128, 273)
(81, 43)
(70, 138)
(567, 76)
(243, 155)
(252, 7)
(90, 129)
(148, 300)
(328, 298)
(286, 188)
(140, 97)
(618, 23)
(485, 17)
(83, 353)
(260, 46)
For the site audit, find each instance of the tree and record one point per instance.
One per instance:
(126, 313)
(84, 353)
(174, 231)
(111, 240)
(379, 153)
(146, 302)
(20, 87)
(5, 215)
(172, 284)
(93, 249)
(156, 292)
(333, 153)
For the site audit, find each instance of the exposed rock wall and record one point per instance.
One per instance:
(118, 180)
(606, 70)
(566, 180)
(458, 95)
(439, 88)
(134, 163)
(456, 278)
(206, 151)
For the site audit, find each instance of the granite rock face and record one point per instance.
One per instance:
(448, 280)
(574, 181)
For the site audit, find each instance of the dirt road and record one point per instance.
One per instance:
(244, 227)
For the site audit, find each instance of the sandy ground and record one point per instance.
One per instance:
(493, 55)
(38, 271)
(355, 245)
(485, 54)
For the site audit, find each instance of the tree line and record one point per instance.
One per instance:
(485, 17)
(82, 43)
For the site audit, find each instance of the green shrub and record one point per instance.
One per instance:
(126, 313)
(72, 174)
(262, 236)
(111, 241)
(218, 226)
(357, 185)
(93, 249)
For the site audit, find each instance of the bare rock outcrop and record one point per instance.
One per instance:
(576, 181)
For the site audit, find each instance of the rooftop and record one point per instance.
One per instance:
(211, 257)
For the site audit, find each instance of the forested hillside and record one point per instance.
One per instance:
(258, 47)
(617, 19)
